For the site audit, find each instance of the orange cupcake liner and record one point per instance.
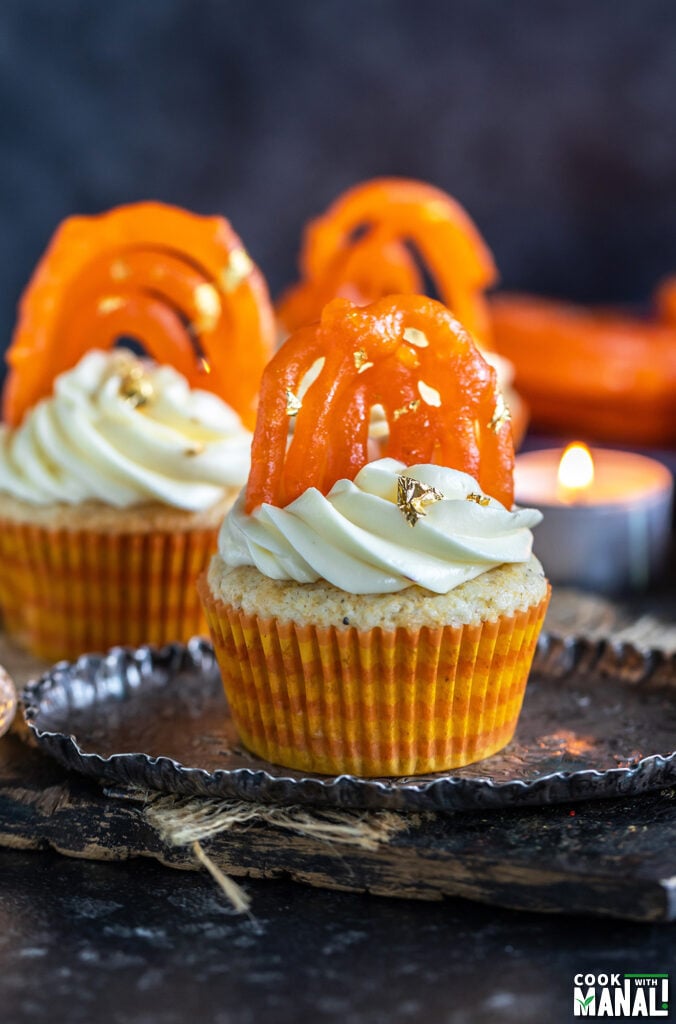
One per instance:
(64, 592)
(373, 702)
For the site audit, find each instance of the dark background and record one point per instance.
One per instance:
(553, 122)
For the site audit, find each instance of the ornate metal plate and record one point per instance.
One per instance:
(599, 720)
(7, 701)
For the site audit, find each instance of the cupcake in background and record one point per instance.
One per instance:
(111, 492)
(115, 470)
(378, 617)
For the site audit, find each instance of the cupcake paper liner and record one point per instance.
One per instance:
(64, 592)
(373, 702)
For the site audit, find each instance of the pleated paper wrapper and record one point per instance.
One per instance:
(65, 592)
(373, 702)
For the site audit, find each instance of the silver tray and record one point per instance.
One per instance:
(599, 720)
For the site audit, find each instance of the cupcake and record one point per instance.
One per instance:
(111, 494)
(378, 618)
(115, 470)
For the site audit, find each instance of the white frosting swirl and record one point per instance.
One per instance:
(91, 440)
(358, 539)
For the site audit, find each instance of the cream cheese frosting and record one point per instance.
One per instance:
(125, 431)
(357, 538)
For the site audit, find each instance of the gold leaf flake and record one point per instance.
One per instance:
(361, 360)
(208, 303)
(501, 414)
(406, 355)
(119, 270)
(429, 395)
(415, 337)
(480, 499)
(238, 269)
(409, 407)
(110, 303)
(293, 403)
(412, 497)
(136, 387)
(436, 210)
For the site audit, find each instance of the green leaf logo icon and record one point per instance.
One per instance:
(585, 1002)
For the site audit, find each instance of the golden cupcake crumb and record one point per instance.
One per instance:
(500, 591)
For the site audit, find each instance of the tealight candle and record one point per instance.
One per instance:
(607, 516)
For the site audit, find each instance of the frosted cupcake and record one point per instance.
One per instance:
(115, 472)
(378, 618)
(111, 494)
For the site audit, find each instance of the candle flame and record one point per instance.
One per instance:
(576, 471)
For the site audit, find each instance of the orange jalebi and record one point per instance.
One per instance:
(367, 245)
(665, 300)
(407, 353)
(602, 375)
(181, 285)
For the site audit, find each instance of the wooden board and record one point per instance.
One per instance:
(615, 858)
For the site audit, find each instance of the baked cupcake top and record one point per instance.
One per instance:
(124, 431)
(435, 512)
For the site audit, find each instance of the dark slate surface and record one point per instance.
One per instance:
(136, 944)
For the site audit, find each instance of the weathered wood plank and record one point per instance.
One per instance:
(605, 858)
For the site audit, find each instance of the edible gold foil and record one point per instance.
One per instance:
(293, 403)
(119, 270)
(412, 497)
(136, 387)
(208, 304)
(237, 270)
(361, 360)
(409, 407)
(415, 337)
(501, 415)
(110, 303)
